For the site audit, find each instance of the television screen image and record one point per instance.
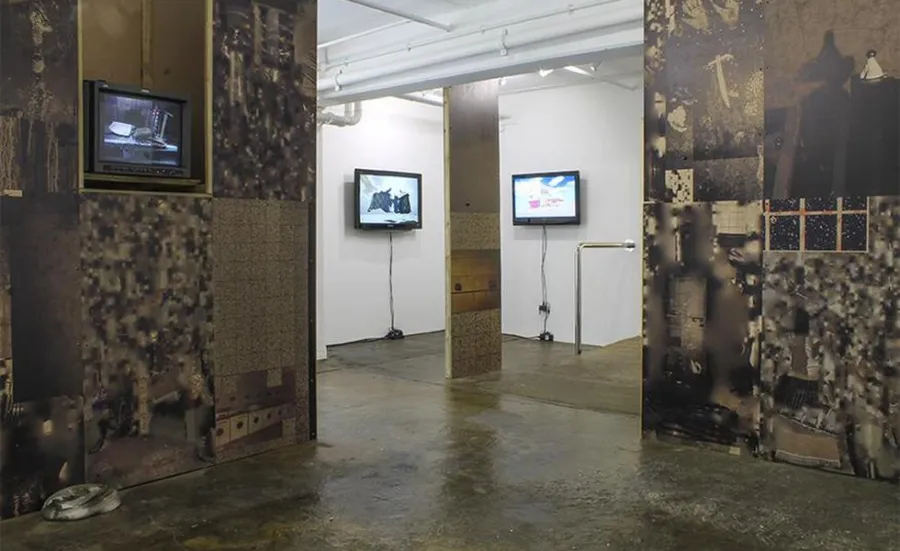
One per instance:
(388, 200)
(548, 198)
(139, 130)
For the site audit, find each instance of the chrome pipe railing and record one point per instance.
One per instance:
(627, 244)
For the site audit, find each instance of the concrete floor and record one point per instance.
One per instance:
(406, 462)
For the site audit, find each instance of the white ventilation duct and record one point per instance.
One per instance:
(351, 117)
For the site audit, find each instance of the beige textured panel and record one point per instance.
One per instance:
(474, 343)
(474, 230)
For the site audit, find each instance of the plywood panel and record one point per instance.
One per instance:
(111, 40)
(178, 28)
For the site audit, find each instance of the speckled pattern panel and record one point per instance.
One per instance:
(474, 230)
(147, 300)
(827, 131)
(39, 103)
(264, 99)
(475, 343)
(831, 368)
(702, 277)
(261, 311)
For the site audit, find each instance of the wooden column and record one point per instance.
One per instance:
(472, 233)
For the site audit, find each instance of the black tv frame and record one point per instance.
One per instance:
(358, 224)
(92, 163)
(555, 221)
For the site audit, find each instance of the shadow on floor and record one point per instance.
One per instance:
(409, 465)
(600, 379)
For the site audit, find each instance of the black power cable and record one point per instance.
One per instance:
(544, 307)
(394, 333)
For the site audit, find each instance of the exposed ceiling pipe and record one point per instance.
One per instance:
(482, 47)
(401, 14)
(360, 34)
(568, 10)
(422, 98)
(352, 115)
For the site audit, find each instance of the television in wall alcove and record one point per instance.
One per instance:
(387, 200)
(136, 132)
(546, 198)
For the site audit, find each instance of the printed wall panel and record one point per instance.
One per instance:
(472, 152)
(264, 98)
(261, 356)
(39, 101)
(148, 311)
(771, 289)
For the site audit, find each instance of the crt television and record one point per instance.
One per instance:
(546, 198)
(387, 200)
(136, 132)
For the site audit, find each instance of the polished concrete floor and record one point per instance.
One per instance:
(406, 462)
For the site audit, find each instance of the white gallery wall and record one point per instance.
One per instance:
(393, 134)
(595, 129)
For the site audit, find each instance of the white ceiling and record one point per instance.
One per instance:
(350, 31)
(340, 18)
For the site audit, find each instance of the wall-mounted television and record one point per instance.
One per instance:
(387, 200)
(136, 132)
(546, 198)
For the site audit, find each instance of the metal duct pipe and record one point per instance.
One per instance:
(419, 98)
(483, 47)
(351, 117)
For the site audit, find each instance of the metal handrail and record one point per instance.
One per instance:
(627, 244)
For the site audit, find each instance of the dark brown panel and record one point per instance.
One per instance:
(43, 449)
(148, 309)
(44, 258)
(828, 132)
(38, 102)
(473, 150)
(264, 99)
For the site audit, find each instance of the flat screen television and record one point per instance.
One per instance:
(387, 200)
(136, 132)
(546, 198)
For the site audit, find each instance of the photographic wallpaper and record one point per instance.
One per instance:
(771, 216)
(111, 369)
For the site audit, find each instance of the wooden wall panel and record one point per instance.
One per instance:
(472, 153)
(112, 40)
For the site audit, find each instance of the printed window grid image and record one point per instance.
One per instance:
(817, 225)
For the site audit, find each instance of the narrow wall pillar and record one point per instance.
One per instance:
(472, 232)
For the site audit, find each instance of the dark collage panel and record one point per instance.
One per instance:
(253, 158)
(40, 368)
(832, 99)
(830, 367)
(147, 307)
(702, 321)
(38, 109)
